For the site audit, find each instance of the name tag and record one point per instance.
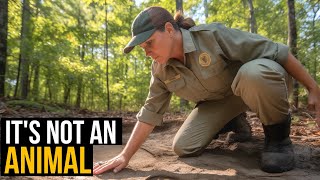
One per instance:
(173, 79)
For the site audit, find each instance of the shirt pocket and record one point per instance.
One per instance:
(211, 74)
(175, 83)
(214, 68)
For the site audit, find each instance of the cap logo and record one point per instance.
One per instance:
(204, 59)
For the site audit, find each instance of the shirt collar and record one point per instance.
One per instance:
(188, 45)
(171, 62)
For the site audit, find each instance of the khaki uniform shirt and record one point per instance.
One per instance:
(213, 55)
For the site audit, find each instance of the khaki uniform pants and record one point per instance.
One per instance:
(261, 85)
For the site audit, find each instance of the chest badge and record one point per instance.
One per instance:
(204, 59)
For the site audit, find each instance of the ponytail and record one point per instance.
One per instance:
(185, 23)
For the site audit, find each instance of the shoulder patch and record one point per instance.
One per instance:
(204, 59)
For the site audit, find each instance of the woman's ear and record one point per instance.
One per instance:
(169, 28)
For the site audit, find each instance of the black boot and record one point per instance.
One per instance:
(241, 129)
(277, 155)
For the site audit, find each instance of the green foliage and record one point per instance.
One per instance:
(68, 41)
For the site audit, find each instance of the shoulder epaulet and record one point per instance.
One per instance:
(207, 27)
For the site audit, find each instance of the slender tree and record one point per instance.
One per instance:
(36, 79)
(205, 5)
(292, 42)
(17, 78)
(106, 53)
(3, 44)
(82, 34)
(36, 64)
(179, 5)
(25, 48)
(253, 24)
(315, 11)
(82, 50)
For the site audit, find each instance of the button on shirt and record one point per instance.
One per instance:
(213, 56)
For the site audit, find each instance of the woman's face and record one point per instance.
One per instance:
(159, 46)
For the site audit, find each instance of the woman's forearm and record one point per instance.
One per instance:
(298, 72)
(139, 134)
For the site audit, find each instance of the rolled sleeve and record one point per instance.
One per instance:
(149, 117)
(283, 51)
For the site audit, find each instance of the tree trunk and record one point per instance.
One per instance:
(35, 88)
(82, 50)
(36, 65)
(66, 94)
(80, 80)
(92, 96)
(48, 84)
(253, 25)
(205, 5)
(18, 77)
(179, 6)
(79, 90)
(3, 44)
(25, 49)
(315, 47)
(92, 81)
(106, 55)
(292, 42)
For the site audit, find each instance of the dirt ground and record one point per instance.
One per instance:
(156, 160)
(221, 160)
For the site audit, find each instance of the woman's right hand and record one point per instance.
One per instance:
(117, 164)
(139, 134)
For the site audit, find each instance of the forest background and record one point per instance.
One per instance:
(68, 53)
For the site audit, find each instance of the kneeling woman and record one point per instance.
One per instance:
(225, 71)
